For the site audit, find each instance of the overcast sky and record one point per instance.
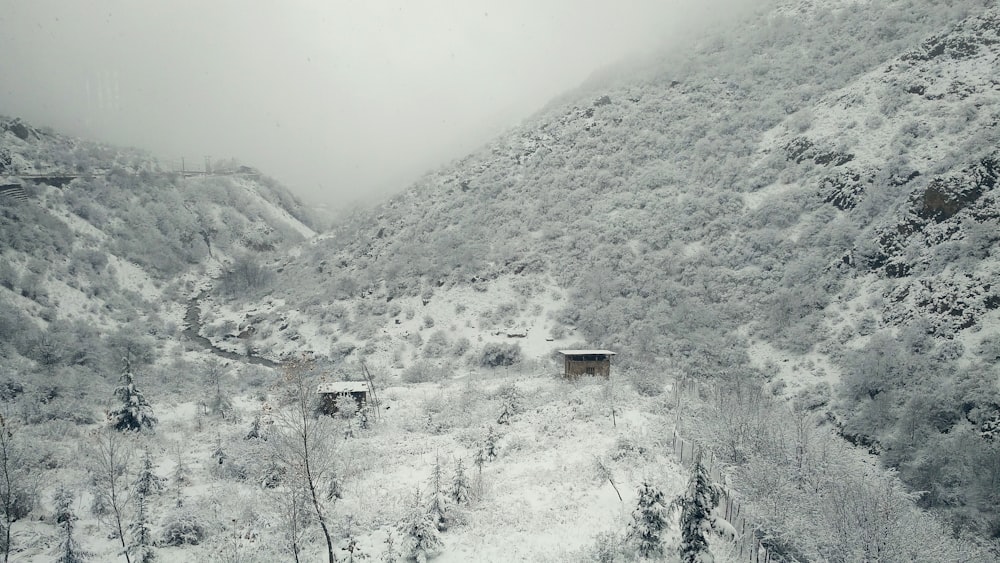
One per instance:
(338, 99)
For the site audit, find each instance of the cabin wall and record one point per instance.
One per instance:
(328, 401)
(576, 368)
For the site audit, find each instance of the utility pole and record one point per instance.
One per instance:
(208, 165)
(182, 166)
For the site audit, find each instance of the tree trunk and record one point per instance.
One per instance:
(315, 499)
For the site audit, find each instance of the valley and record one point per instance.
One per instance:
(786, 232)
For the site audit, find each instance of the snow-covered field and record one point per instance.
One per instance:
(541, 499)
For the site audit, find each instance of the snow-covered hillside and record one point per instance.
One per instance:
(805, 198)
(786, 231)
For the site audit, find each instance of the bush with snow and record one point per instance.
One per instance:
(495, 354)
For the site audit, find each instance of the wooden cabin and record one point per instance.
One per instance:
(586, 362)
(329, 391)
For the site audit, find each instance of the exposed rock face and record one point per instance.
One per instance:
(20, 129)
(945, 197)
(967, 41)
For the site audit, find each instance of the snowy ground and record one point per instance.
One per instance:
(540, 500)
(513, 310)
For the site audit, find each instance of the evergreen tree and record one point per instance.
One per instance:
(510, 403)
(437, 502)
(135, 413)
(696, 516)
(648, 521)
(460, 492)
(147, 483)
(490, 445)
(420, 535)
(181, 475)
(142, 536)
(389, 555)
(69, 550)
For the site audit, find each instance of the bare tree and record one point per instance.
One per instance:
(603, 472)
(304, 446)
(10, 479)
(292, 505)
(111, 458)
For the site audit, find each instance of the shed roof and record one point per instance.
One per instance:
(586, 352)
(342, 387)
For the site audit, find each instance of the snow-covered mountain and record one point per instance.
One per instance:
(807, 198)
(801, 204)
(101, 245)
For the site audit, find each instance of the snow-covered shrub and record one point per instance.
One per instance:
(436, 344)
(414, 339)
(496, 354)
(813, 397)
(627, 448)
(340, 351)
(183, 528)
(423, 371)
(607, 548)
(510, 403)
(646, 382)
(460, 347)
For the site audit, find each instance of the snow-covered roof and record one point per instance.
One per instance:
(586, 352)
(342, 387)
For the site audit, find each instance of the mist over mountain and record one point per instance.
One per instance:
(795, 216)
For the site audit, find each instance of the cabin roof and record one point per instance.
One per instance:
(342, 387)
(586, 352)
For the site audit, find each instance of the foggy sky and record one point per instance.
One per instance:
(341, 100)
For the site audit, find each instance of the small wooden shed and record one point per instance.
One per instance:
(329, 391)
(586, 362)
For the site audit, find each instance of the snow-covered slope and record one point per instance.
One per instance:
(779, 202)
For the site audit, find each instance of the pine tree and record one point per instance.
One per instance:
(146, 483)
(437, 502)
(389, 555)
(460, 492)
(142, 536)
(648, 521)
(696, 516)
(135, 413)
(69, 550)
(181, 476)
(420, 535)
(490, 444)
